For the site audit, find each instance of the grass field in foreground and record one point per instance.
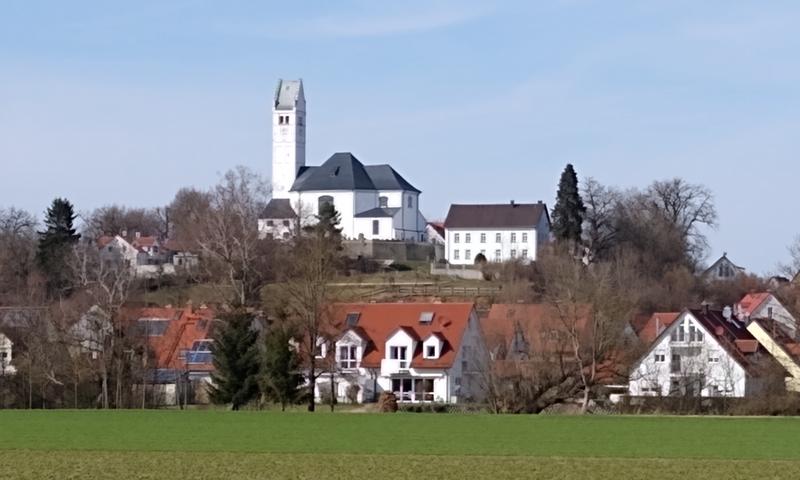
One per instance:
(243, 445)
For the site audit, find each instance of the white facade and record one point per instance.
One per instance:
(462, 245)
(454, 383)
(405, 223)
(6, 357)
(686, 359)
(773, 309)
(288, 135)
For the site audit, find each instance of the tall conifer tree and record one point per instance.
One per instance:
(281, 377)
(569, 209)
(236, 360)
(55, 243)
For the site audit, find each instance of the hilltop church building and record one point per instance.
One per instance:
(374, 201)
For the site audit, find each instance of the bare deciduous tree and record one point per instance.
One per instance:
(228, 237)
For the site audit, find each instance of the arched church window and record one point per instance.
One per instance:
(376, 227)
(323, 200)
(383, 202)
(410, 201)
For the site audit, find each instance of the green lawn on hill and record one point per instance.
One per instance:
(249, 445)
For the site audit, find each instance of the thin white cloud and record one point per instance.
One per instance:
(407, 18)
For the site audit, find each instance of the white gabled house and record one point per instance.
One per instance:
(495, 232)
(705, 353)
(422, 352)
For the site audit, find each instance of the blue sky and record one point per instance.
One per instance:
(112, 102)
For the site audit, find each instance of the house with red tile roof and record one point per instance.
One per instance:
(656, 324)
(180, 339)
(766, 305)
(520, 335)
(703, 352)
(422, 352)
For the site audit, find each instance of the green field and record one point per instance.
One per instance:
(244, 445)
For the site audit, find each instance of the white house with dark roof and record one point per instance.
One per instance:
(499, 232)
(703, 353)
(374, 201)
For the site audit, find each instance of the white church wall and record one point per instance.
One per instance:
(365, 226)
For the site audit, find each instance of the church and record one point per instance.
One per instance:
(374, 201)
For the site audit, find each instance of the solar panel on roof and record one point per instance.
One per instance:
(152, 327)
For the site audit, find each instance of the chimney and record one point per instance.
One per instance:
(719, 331)
(124, 233)
(705, 309)
(138, 235)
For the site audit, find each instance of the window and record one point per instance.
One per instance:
(483, 238)
(467, 254)
(675, 365)
(399, 353)
(497, 255)
(280, 119)
(660, 358)
(285, 235)
(513, 253)
(383, 202)
(347, 357)
(483, 252)
(467, 238)
(376, 227)
(713, 359)
(352, 319)
(270, 223)
(456, 255)
(524, 253)
(513, 237)
(525, 237)
(430, 351)
(322, 201)
(200, 352)
(498, 238)
(410, 202)
(287, 120)
(456, 238)
(286, 223)
(300, 120)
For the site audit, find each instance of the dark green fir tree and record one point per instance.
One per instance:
(569, 210)
(55, 244)
(236, 361)
(281, 378)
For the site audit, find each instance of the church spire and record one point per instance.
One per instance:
(288, 135)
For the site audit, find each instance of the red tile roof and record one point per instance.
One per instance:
(536, 321)
(655, 325)
(186, 326)
(144, 242)
(379, 321)
(750, 302)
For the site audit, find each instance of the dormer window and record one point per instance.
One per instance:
(348, 357)
(432, 348)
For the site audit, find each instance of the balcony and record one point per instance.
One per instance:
(389, 366)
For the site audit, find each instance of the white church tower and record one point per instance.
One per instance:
(288, 135)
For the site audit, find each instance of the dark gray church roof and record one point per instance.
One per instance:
(343, 171)
(378, 212)
(278, 208)
(384, 177)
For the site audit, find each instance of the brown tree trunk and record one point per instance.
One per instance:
(312, 384)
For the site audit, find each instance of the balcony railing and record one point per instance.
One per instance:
(389, 366)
